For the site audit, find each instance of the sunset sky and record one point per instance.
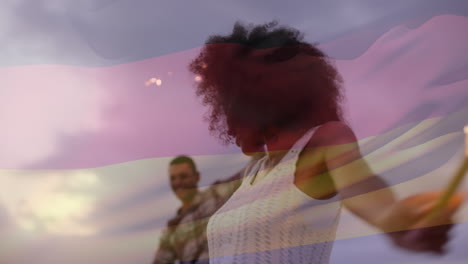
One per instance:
(96, 98)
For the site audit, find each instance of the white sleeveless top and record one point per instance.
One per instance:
(272, 221)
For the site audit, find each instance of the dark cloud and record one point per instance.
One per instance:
(107, 32)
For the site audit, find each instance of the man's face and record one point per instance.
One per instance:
(183, 181)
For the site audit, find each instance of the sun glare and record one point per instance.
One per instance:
(58, 204)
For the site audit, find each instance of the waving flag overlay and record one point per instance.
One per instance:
(84, 149)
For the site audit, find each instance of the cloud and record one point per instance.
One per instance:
(93, 33)
(4, 218)
(39, 104)
(397, 74)
(90, 117)
(50, 203)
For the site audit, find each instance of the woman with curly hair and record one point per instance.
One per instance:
(272, 93)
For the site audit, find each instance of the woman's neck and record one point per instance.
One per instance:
(282, 141)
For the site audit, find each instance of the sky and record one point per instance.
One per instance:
(87, 130)
(109, 32)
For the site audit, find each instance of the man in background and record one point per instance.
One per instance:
(184, 238)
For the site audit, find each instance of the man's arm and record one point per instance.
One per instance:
(226, 187)
(165, 253)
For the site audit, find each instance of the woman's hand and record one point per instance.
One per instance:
(410, 227)
(370, 198)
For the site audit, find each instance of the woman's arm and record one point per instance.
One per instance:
(367, 196)
(364, 193)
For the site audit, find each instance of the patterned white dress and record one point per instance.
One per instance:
(272, 221)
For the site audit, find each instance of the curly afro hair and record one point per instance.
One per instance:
(265, 76)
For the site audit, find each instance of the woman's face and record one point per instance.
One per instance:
(250, 140)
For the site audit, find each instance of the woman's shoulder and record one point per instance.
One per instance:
(333, 133)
